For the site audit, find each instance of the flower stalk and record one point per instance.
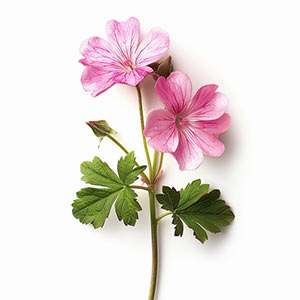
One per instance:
(151, 193)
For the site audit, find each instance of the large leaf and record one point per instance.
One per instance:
(93, 205)
(199, 210)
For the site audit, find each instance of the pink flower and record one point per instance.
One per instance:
(188, 127)
(121, 59)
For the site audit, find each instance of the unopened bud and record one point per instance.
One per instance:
(163, 68)
(100, 128)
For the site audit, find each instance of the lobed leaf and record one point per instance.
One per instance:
(93, 205)
(169, 199)
(198, 209)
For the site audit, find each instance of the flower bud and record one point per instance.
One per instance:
(163, 68)
(100, 128)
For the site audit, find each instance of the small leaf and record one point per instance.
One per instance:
(169, 199)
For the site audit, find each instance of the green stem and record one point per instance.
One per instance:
(126, 151)
(118, 144)
(160, 164)
(154, 245)
(151, 202)
(140, 187)
(154, 163)
(163, 215)
(144, 138)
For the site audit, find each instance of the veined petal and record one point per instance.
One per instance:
(214, 127)
(207, 133)
(175, 91)
(188, 154)
(98, 53)
(124, 37)
(133, 77)
(96, 80)
(153, 47)
(210, 144)
(207, 104)
(162, 131)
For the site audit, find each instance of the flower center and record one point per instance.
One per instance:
(128, 63)
(180, 121)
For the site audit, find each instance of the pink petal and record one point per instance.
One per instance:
(99, 53)
(162, 131)
(188, 154)
(210, 145)
(133, 77)
(124, 37)
(96, 80)
(153, 47)
(175, 91)
(207, 104)
(214, 127)
(207, 133)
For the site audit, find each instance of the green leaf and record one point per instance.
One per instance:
(93, 205)
(98, 172)
(169, 199)
(192, 193)
(178, 225)
(127, 207)
(198, 209)
(128, 174)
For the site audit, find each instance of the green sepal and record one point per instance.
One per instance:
(100, 129)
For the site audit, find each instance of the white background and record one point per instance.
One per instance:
(251, 50)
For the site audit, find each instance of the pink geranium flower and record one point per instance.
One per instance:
(121, 59)
(188, 127)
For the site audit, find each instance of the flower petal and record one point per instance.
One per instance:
(153, 47)
(207, 133)
(124, 37)
(210, 145)
(162, 131)
(99, 53)
(207, 104)
(214, 127)
(188, 154)
(133, 77)
(96, 80)
(175, 91)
